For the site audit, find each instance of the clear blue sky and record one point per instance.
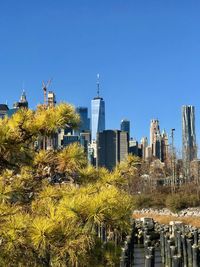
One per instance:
(146, 51)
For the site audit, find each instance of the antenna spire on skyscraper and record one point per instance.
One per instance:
(98, 86)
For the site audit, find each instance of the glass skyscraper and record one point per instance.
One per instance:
(84, 120)
(125, 126)
(98, 116)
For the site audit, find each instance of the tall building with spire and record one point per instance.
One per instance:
(22, 102)
(189, 147)
(97, 113)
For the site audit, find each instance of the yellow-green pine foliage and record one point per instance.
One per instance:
(55, 224)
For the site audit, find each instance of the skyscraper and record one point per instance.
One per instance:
(158, 141)
(125, 126)
(164, 147)
(155, 138)
(154, 130)
(189, 148)
(112, 147)
(84, 120)
(98, 113)
(144, 145)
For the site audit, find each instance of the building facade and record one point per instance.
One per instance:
(22, 103)
(112, 148)
(3, 110)
(98, 116)
(84, 120)
(189, 147)
(155, 138)
(125, 126)
(158, 142)
(164, 147)
(144, 145)
(51, 98)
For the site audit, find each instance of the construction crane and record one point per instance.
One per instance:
(45, 87)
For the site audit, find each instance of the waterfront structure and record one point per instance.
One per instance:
(112, 148)
(125, 126)
(97, 114)
(189, 147)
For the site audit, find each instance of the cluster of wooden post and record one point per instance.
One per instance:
(149, 249)
(126, 258)
(178, 249)
(182, 249)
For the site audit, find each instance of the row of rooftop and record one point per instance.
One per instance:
(112, 146)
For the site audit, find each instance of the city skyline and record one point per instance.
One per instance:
(147, 53)
(100, 116)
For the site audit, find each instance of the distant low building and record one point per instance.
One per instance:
(3, 110)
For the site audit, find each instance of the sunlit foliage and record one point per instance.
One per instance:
(46, 221)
